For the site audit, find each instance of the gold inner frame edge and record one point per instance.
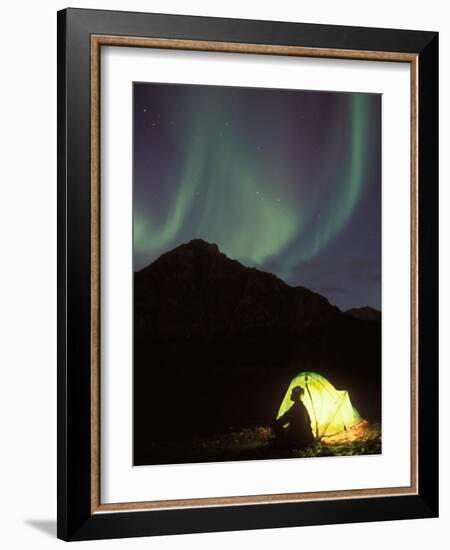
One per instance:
(97, 41)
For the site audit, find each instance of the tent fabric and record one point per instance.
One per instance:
(330, 410)
(357, 432)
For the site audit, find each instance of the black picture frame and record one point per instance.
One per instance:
(76, 520)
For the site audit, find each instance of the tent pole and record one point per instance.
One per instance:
(314, 410)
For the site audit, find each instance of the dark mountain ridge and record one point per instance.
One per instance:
(365, 313)
(197, 291)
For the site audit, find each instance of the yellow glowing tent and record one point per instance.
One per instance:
(333, 417)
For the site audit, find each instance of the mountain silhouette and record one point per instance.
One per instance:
(365, 313)
(216, 344)
(195, 291)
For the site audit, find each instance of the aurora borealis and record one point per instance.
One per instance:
(286, 181)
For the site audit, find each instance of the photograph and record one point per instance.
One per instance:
(257, 292)
(247, 272)
(225, 288)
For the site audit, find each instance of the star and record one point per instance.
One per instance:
(203, 159)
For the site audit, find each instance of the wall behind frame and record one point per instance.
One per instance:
(28, 274)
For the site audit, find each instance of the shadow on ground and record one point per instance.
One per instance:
(47, 526)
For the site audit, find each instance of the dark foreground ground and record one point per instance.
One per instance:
(254, 444)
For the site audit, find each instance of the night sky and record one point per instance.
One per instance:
(285, 181)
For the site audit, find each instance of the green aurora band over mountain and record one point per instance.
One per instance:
(286, 181)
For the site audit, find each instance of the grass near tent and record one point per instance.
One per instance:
(259, 443)
(369, 444)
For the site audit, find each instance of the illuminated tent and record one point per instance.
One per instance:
(333, 417)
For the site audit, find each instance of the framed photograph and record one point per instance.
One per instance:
(247, 259)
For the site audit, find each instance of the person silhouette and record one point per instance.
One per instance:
(298, 431)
